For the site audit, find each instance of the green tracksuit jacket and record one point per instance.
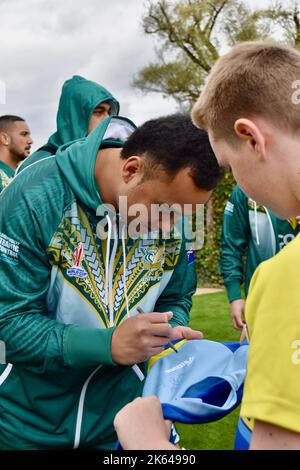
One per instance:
(60, 301)
(252, 230)
(79, 97)
(6, 175)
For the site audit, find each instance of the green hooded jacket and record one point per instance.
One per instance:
(250, 230)
(78, 99)
(6, 175)
(63, 291)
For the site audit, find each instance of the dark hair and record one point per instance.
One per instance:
(174, 143)
(7, 120)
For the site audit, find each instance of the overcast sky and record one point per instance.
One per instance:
(45, 42)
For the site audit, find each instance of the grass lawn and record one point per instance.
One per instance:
(210, 314)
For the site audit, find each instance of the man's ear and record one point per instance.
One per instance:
(252, 135)
(4, 138)
(132, 167)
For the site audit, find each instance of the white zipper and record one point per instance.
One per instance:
(108, 298)
(80, 408)
(107, 287)
(5, 373)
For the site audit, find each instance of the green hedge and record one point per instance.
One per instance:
(207, 259)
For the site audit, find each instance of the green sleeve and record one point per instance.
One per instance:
(234, 243)
(177, 296)
(28, 218)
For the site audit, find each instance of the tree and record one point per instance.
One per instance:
(192, 34)
(285, 19)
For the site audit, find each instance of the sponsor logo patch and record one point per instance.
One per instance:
(149, 255)
(77, 270)
(187, 363)
(9, 249)
(229, 208)
(191, 257)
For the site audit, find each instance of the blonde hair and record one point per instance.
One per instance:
(252, 79)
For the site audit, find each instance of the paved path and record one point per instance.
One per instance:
(207, 290)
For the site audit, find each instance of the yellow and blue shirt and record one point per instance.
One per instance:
(272, 386)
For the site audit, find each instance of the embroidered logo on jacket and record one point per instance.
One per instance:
(229, 208)
(77, 270)
(9, 249)
(191, 257)
(80, 257)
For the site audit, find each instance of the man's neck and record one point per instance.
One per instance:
(8, 159)
(107, 171)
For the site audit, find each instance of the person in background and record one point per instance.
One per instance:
(15, 145)
(83, 105)
(250, 231)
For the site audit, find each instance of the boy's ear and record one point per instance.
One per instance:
(252, 135)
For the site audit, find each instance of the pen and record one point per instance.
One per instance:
(245, 333)
(169, 344)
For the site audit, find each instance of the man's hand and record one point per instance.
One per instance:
(237, 313)
(140, 425)
(184, 332)
(141, 337)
